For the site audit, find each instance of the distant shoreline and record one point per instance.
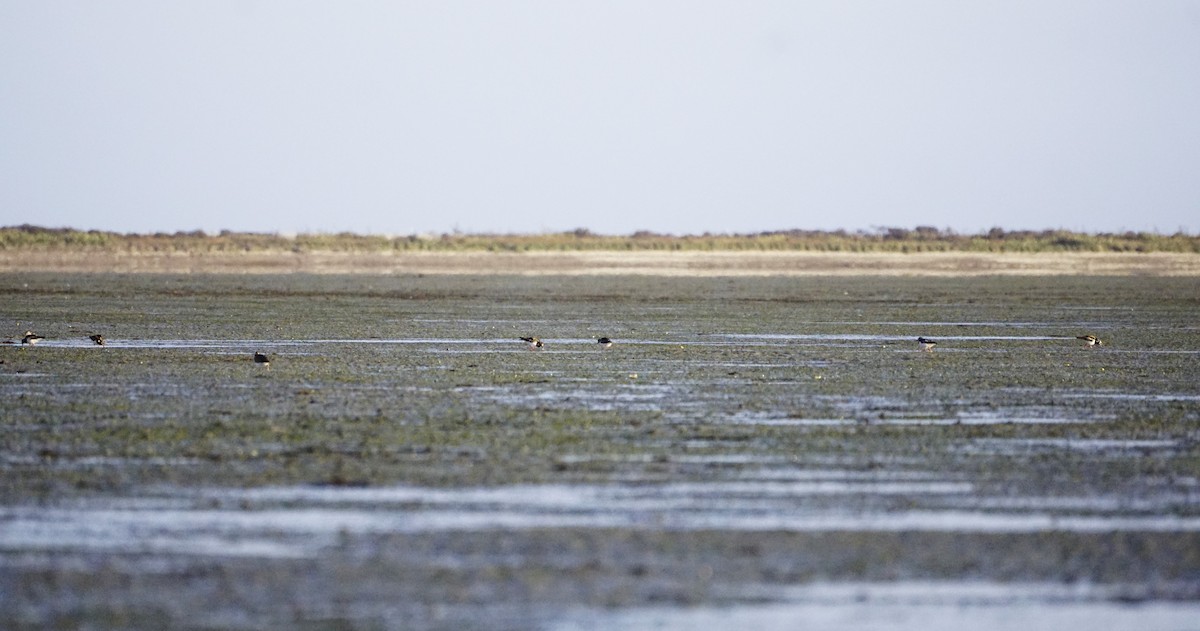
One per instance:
(922, 239)
(605, 262)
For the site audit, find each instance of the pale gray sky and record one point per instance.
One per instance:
(519, 116)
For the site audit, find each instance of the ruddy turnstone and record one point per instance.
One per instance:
(260, 358)
(927, 343)
(604, 342)
(534, 343)
(97, 339)
(31, 338)
(1090, 340)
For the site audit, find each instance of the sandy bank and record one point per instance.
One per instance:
(688, 263)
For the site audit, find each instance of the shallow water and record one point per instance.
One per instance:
(901, 606)
(749, 452)
(300, 521)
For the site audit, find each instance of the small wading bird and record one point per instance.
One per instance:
(534, 343)
(97, 339)
(31, 338)
(604, 342)
(259, 358)
(927, 343)
(1090, 340)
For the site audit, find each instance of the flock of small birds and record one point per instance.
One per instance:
(31, 338)
(1088, 340)
(535, 344)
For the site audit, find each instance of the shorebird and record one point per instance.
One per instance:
(259, 358)
(604, 342)
(1090, 340)
(97, 338)
(927, 343)
(31, 338)
(534, 343)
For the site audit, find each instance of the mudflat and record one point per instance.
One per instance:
(753, 450)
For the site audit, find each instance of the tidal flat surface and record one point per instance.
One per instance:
(753, 451)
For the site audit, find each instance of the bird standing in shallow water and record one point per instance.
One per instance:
(534, 343)
(97, 339)
(31, 338)
(604, 342)
(1090, 340)
(927, 343)
(260, 358)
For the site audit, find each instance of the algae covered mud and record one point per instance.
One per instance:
(767, 451)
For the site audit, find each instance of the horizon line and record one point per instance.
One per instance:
(898, 232)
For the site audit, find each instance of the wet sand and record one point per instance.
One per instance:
(677, 263)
